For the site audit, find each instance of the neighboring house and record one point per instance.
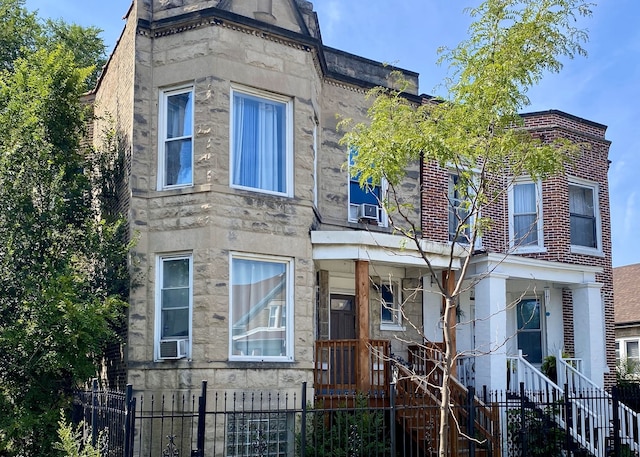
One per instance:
(261, 264)
(626, 289)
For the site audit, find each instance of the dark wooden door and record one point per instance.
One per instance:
(343, 327)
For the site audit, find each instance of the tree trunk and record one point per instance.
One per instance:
(447, 362)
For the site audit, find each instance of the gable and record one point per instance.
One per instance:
(286, 14)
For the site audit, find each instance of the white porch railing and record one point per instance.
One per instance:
(589, 427)
(570, 375)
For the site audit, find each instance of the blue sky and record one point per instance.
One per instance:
(603, 87)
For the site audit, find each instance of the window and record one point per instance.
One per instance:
(390, 305)
(261, 142)
(628, 355)
(174, 303)
(259, 434)
(364, 202)
(261, 308)
(459, 223)
(584, 217)
(525, 227)
(530, 329)
(176, 138)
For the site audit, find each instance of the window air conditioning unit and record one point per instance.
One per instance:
(368, 211)
(173, 349)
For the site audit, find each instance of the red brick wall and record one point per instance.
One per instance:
(591, 164)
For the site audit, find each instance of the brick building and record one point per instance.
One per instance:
(260, 261)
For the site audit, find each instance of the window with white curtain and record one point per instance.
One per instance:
(525, 211)
(176, 137)
(584, 217)
(390, 304)
(261, 141)
(261, 308)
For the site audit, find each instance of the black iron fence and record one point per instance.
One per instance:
(275, 424)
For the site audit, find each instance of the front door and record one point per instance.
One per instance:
(343, 327)
(343, 317)
(530, 329)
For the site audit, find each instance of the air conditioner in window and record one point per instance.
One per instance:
(173, 349)
(368, 211)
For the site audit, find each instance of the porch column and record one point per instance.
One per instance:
(491, 332)
(588, 324)
(363, 383)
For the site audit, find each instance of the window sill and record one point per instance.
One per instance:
(586, 251)
(393, 327)
(256, 358)
(530, 250)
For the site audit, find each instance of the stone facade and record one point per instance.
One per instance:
(213, 49)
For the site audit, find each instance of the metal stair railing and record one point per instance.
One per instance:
(629, 420)
(586, 427)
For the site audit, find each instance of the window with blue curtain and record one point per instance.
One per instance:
(259, 135)
(369, 193)
(178, 138)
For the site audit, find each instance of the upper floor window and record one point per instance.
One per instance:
(261, 141)
(173, 306)
(584, 217)
(459, 220)
(525, 211)
(261, 317)
(365, 202)
(176, 138)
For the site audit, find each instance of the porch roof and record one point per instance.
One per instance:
(381, 247)
(517, 267)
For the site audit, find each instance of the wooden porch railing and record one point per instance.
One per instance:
(418, 392)
(336, 369)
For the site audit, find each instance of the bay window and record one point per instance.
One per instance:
(261, 142)
(261, 303)
(176, 138)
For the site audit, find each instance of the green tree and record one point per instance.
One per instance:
(19, 30)
(474, 129)
(63, 274)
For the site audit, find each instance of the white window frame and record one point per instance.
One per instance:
(478, 242)
(160, 259)
(621, 353)
(162, 134)
(289, 157)
(539, 246)
(352, 208)
(595, 187)
(396, 323)
(288, 315)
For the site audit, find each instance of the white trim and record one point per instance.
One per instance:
(383, 247)
(539, 246)
(290, 325)
(315, 162)
(595, 187)
(160, 259)
(514, 266)
(289, 161)
(164, 94)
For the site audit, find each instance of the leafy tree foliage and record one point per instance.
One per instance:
(62, 265)
(475, 130)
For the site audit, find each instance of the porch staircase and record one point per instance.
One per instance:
(418, 409)
(592, 408)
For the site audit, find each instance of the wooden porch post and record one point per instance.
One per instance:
(363, 383)
(449, 283)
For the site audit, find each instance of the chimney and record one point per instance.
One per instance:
(264, 12)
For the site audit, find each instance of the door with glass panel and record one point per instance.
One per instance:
(530, 339)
